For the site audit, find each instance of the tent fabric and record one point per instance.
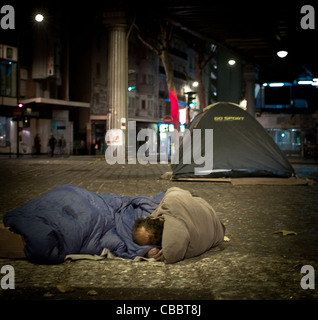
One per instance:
(241, 147)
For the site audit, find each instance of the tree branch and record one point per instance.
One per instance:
(207, 60)
(147, 44)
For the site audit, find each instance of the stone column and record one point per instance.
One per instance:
(117, 70)
(249, 76)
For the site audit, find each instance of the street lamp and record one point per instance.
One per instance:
(195, 84)
(39, 17)
(282, 53)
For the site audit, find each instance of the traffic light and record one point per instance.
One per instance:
(191, 97)
(26, 122)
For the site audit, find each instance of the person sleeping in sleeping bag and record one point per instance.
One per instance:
(183, 226)
(148, 231)
(71, 220)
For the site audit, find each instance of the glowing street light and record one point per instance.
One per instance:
(195, 84)
(231, 62)
(39, 17)
(282, 54)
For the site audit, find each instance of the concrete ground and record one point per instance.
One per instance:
(257, 262)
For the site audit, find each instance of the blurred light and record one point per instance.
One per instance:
(186, 89)
(39, 17)
(315, 82)
(277, 84)
(195, 84)
(282, 53)
(162, 127)
(305, 82)
(243, 104)
(231, 62)
(183, 116)
(20, 105)
(171, 127)
(131, 88)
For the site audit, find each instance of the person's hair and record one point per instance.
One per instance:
(154, 227)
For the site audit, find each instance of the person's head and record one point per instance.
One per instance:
(148, 231)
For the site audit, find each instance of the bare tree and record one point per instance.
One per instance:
(199, 66)
(201, 60)
(158, 42)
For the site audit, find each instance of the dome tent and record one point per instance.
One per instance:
(241, 147)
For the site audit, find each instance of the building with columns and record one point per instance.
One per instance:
(77, 80)
(129, 81)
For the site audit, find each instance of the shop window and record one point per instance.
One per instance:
(4, 131)
(287, 140)
(8, 78)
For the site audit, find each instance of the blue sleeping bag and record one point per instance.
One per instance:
(72, 220)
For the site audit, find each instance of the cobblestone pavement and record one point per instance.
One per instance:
(256, 263)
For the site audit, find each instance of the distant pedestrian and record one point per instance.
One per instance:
(37, 144)
(93, 150)
(98, 145)
(52, 143)
(62, 144)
